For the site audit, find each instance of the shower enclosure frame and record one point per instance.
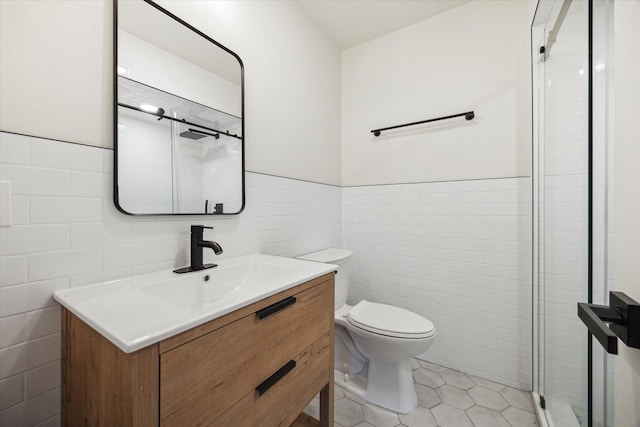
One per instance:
(596, 400)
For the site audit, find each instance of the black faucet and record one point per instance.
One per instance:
(196, 250)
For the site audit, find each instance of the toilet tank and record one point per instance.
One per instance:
(340, 257)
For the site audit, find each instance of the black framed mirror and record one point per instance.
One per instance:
(178, 116)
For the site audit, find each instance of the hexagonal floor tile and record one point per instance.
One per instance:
(431, 366)
(355, 398)
(483, 417)
(488, 398)
(455, 397)
(491, 385)
(458, 379)
(419, 417)
(347, 412)
(427, 396)
(448, 416)
(446, 398)
(517, 398)
(380, 417)
(519, 418)
(428, 378)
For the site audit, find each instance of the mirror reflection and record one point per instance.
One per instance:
(179, 142)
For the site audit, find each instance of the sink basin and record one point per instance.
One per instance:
(225, 282)
(141, 310)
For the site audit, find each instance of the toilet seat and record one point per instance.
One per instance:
(388, 320)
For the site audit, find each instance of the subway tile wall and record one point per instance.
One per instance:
(67, 232)
(458, 253)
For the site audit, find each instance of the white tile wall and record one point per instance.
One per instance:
(458, 253)
(67, 232)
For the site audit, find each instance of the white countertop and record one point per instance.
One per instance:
(138, 311)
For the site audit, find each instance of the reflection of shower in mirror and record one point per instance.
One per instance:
(185, 147)
(192, 135)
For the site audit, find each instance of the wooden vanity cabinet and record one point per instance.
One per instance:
(257, 366)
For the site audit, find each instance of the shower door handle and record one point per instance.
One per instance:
(593, 316)
(623, 316)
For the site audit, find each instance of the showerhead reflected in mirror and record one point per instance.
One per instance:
(179, 106)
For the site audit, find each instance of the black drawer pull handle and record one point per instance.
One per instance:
(269, 382)
(274, 308)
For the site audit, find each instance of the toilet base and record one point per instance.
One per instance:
(388, 385)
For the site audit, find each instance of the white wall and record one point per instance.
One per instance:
(67, 232)
(63, 210)
(143, 61)
(473, 57)
(458, 253)
(292, 84)
(55, 69)
(452, 245)
(55, 82)
(292, 77)
(627, 199)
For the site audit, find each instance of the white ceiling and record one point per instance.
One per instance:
(352, 22)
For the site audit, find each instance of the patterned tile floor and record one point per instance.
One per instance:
(446, 398)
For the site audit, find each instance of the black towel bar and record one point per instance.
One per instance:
(469, 115)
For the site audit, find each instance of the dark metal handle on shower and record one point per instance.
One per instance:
(623, 316)
(588, 313)
(277, 376)
(274, 308)
(469, 115)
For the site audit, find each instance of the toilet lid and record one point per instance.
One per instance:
(389, 320)
(329, 256)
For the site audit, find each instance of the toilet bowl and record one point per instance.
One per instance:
(375, 343)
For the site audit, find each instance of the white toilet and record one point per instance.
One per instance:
(374, 343)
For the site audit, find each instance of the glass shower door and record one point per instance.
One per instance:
(565, 246)
(565, 212)
(573, 198)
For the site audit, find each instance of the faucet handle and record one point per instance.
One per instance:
(199, 228)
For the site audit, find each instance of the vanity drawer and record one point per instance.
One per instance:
(278, 405)
(203, 378)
